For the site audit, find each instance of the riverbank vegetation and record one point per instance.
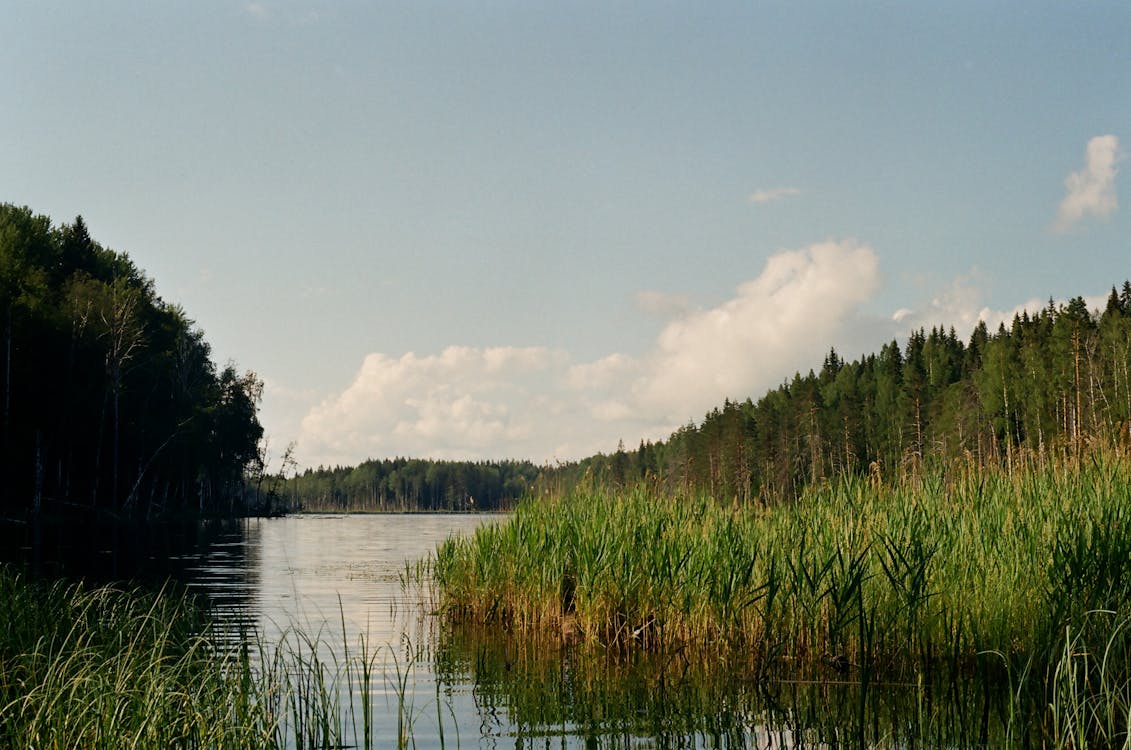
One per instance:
(109, 399)
(106, 668)
(958, 570)
(1048, 385)
(121, 668)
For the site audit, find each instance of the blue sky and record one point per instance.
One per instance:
(514, 229)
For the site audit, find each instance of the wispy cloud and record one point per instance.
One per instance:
(258, 10)
(768, 195)
(1091, 191)
(661, 304)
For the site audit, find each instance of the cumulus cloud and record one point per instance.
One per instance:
(462, 403)
(783, 320)
(1091, 191)
(768, 195)
(535, 403)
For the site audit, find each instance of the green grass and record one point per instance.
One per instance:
(105, 668)
(112, 668)
(963, 571)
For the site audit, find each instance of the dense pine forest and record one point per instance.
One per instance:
(1049, 385)
(110, 399)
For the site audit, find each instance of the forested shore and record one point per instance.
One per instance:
(409, 484)
(109, 399)
(1051, 384)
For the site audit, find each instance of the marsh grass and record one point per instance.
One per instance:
(114, 668)
(966, 571)
(105, 668)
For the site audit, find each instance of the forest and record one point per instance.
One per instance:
(1051, 384)
(110, 399)
(404, 484)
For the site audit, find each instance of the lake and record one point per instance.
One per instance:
(323, 574)
(329, 582)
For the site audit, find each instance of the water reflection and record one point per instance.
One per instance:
(338, 579)
(582, 696)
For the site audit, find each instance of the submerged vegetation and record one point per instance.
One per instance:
(1023, 577)
(682, 700)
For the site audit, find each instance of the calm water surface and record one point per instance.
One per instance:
(338, 578)
(333, 580)
(339, 581)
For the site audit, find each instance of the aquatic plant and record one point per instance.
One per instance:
(106, 667)
(882, 581)
(121, 668)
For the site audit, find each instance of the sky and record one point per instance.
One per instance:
(488, 230)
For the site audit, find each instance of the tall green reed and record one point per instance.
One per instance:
(892, 581)
(114, 668)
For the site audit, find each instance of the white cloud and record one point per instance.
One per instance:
(603, 374)
(782, 321)
(960, 304)
(1091, 191)
(768, 195)
(534, 403)
(463, 402)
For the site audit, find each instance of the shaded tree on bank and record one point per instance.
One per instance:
(110, 397)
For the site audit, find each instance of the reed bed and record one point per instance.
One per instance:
(113, 668)
(966, 570)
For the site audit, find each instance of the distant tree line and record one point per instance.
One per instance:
(109, 399)
(403, 484)
(1050, 384)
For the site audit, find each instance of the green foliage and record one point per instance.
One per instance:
(116, 668)
(109, 400)
(1051, 385)
(111, 668)
(896, 577)
(969, 570)
(404, 484)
